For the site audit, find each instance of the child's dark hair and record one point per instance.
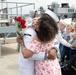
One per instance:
(47, 28)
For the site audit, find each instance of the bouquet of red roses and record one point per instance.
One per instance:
(21, 25)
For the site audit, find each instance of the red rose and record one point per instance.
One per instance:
(19, 19)
(23, 26)
(23, 23)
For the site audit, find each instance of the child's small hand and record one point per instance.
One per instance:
(74, 36)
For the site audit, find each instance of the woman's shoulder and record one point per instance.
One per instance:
(37, 40)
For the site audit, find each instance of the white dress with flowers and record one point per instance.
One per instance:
(44, 67)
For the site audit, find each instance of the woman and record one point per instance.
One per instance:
(43, 42)
(26, 65)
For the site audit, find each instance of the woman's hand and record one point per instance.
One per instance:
(52, 54)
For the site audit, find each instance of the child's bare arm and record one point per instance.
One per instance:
(70, 41)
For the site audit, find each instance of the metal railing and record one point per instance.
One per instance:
(7, 12)
(10, 9)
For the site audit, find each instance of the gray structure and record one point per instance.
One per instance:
(63, 10)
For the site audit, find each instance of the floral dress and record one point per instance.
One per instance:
(44, 67)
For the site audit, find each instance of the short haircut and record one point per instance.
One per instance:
(71, 27)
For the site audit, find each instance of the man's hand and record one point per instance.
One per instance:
(52, 54)
(19, 41)
(73, 46)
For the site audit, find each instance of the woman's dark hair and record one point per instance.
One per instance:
(47, 28)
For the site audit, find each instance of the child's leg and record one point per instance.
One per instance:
(65, 52)
(62, 53)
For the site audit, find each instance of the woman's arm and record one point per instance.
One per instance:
(51, 54)
(37, 56)
(26, 53)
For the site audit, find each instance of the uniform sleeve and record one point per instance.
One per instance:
(62, 41)
(56, 44)
(38, 56)
(27, 39)
(30, 34)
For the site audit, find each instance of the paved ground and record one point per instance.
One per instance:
(9, 60)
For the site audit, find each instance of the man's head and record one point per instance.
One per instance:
(53, 15)
(62, 24)
(50, 13)
(35, 23)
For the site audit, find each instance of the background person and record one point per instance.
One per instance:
(67, 35)
(65, 16)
